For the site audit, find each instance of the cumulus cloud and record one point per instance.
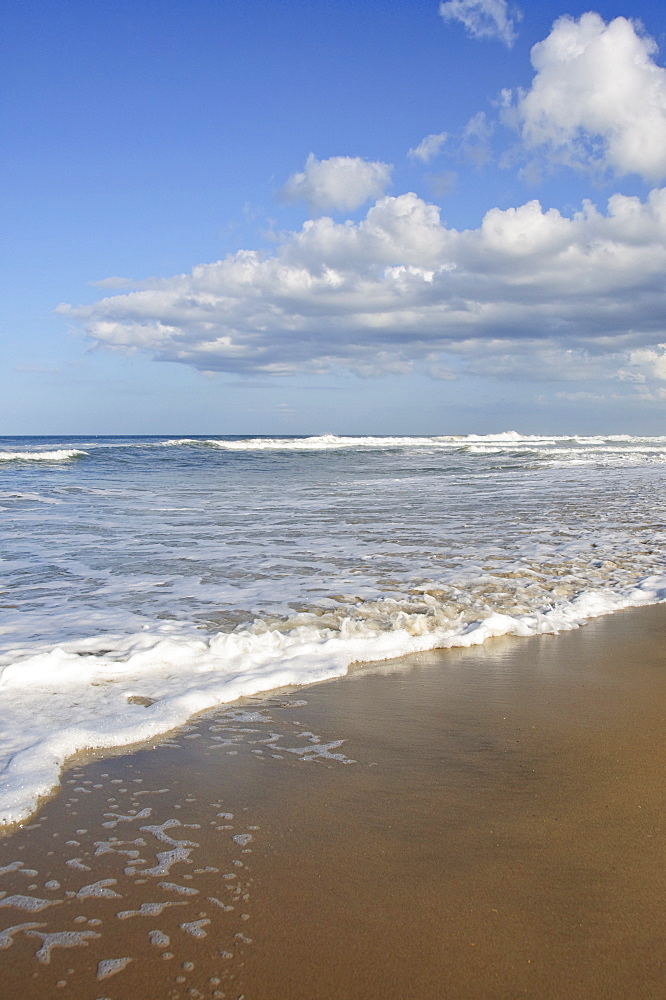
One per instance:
(400, 288)
(484, 18)
(340, 183)
(429, 147)
(598, 99)
(652, 359)
(645, 370)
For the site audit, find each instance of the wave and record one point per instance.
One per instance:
(82, 695)
(61, 455)
(319, 442)
(33, 497)
(473, 443)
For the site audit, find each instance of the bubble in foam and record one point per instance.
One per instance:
(13, 867)
(195, 928)
(110, 966)
(166, 859)
(321, 750)
(159, 832)
(7, 936)
(60, 939)
(158, 938)
(240, 715)
(218, 902)
(100, 889)
(184, 890)
(109, 847)
(117, 818)
(31, 903)
(147, 910)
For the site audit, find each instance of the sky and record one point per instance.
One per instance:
(312, 216)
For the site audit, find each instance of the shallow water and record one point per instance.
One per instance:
(145, 579)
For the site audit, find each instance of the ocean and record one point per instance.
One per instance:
(145, 579)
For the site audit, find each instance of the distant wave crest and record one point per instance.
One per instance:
(61, 455)
(593, 449)
(326, 442)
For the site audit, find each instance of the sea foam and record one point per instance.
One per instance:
(57, 703)
(165, 577)
(59, 455)
(509, 441)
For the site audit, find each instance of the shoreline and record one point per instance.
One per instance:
(490, 827)
(121, 709)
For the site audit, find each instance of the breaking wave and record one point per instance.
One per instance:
(83, 696)
(61, 455)
(541, 447)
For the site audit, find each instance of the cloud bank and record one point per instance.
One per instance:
(529, 294)
(340, 183)
(598, 98)
(483, 18)
(399, 288)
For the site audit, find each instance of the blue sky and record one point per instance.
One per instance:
(415, 217)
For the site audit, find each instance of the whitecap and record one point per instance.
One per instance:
(60, 455)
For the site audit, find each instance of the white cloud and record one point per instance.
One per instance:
(646, 363)
(400, 288)
(645, 371)
(598, 98)
(114, 282)
(429, 147)
(484, 18)
(340, 183)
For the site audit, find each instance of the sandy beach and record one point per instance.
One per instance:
(490, 827)
(333, 501)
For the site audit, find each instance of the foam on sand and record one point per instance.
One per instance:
(56, 703)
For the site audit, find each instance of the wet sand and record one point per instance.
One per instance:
(492, 827)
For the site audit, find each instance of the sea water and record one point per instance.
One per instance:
(148, 578)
